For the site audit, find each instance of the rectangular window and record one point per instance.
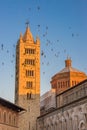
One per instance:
(29, 61)
(29, 95)
(29, 84)
(29, 51)
(59, 84)
(30, 73)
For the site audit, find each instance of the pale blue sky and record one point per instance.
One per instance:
(62, 26)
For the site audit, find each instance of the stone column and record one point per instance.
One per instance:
(85, 120)
(63, 123)
(60, 121)
(49, 128)
(85, 114)
(75, 122)
(60, 125)
(66, 117)
(57, 125)
(70, 124)
(70, 121)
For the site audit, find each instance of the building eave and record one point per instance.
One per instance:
(11, 105)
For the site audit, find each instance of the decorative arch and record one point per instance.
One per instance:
(82, 125)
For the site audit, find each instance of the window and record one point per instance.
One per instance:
(0, 115)
(59, 84)
(67, 84)
(29, 84)
(4, 117)
(29, 73)
(63, 84)
(72, 83)
(29, 51)
(9, 118)
(29, 95)
(29, 61)
(14, 120)
(75, 82)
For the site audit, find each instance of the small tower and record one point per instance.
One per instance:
(27, 79)
(68, 62)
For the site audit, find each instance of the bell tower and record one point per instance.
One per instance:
(27, 79)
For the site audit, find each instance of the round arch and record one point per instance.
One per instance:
(82, 125)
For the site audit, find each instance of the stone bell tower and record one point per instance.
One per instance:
(27, 79)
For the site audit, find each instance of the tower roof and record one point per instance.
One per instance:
(68, 67)
(28, 35)
(21, 37)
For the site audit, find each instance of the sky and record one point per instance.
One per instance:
(62, 28)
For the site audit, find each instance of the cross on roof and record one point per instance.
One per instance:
(27, 23)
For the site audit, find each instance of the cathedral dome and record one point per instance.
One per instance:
(67, 77)
(68, 67)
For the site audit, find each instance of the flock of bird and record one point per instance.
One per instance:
(52, 47)
(49, 47)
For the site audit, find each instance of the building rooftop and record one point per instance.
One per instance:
(68, 68)
(11, 105)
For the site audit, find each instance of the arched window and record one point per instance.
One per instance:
(0, 116)
(72, 83)
(14, 120)
(59, 84)
(4, 116)
(63, 84)
(9, 118)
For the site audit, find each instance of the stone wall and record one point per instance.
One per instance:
(71, 115)
(71, 95)
(8, 119)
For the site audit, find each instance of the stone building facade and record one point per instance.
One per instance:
(9, 115)
(27, 81)
(71, 111)
(48, 101)
(67, 77)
